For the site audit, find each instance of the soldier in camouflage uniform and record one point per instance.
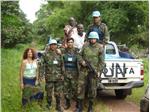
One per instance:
(53, 74)
(93, 52)
(99, 27)
(71, 68)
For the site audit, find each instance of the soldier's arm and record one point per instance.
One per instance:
(82, 55)
(37, 71)
(42, 60)
(78, 55)
(101, 59)
(62, 65)
(42, 65)
(62, 60)
(37, 74)
(106, 33)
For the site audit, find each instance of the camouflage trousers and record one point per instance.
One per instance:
(70, 85)
(87, 86)
(57, 86)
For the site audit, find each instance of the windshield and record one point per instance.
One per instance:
(110, 49)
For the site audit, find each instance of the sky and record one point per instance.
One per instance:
(30, 7)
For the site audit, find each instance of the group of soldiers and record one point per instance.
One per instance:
(66, 69)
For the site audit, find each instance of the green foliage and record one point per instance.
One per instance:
(127, 21)
(15, 28)
(55, 19)
(10, 80)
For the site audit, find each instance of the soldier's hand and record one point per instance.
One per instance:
(62, 78)
(36, 82)
(58, 51)
(98, 74)
(83, 63)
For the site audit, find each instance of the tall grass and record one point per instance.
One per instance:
(11, 94)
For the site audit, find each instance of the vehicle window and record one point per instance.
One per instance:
(110, 49)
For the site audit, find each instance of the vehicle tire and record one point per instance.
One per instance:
(144, 105)
(120, 94)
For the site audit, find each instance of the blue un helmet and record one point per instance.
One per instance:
(96, 14)
(93, 35)
(52, 41)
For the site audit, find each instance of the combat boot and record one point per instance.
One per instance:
(67, 103)
(90, 108)
(58, 107)
(79, 106)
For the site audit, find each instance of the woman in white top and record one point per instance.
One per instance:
(29, 77)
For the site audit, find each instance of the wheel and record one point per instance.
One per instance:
(144, 105)
(120, 94)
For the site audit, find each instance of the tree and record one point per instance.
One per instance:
(15, 28)
(127, 21)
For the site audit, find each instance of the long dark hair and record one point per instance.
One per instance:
(25, 54)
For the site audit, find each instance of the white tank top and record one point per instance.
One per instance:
(30, 70)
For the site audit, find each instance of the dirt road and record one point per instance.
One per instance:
(107, 102)
(117, 105)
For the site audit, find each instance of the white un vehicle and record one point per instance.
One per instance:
(121, 73)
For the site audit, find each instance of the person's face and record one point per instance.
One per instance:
(92, 41)
(70, 44)
(30, 54)
(53, 46)
(96, 20)
(72, 22)
(80, 29)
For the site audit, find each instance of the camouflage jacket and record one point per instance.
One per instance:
(101, 28)
(94, 54)
(52, 63)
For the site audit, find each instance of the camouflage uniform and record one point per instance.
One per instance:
(94, 54)
(53, 75)
(101, 29)
(71, 67)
